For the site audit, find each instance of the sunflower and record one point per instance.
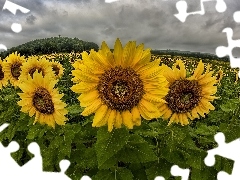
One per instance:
(236, 76)
(39, 97)
(188, 97)
(219, 76)
(3, 79)
(38, 64)
(120, 86)
(77, 67)
(12, 68)
(57, 69)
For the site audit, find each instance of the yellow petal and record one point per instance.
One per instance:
(127, 119)
(83, 87)
(87, 98)
(137, 56)
(146, 56)
(92, 108)
(128, 52)
(153, 98)
(118, 121)
(118, 52)
(199, 70)
(136, 115)
(99, 117)
(111, 120)
(185, 119)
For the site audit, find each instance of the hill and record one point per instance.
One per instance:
(51, 45)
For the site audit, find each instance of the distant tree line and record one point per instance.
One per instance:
(51, 45)
(189, 54)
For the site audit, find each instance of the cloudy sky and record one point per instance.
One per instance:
(151, 22)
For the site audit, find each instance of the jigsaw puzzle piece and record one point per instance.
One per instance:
(7, 164)
(35, 164)
(221, 6)
(222, 51)
(181, 6)
(236, 16)
(5, 125)
(40, 175)
(228, 150)
(177, 171)
(182, 11)
(159, 178)
(85, 178)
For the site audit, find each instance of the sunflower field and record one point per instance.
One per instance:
(121, 114)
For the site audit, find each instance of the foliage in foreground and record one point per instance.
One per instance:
(143, 153)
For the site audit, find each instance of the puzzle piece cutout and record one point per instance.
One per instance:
(9, 169)
(222, 51)
(182, 9)
(236, 16)
(228, 150)
(16, 27)
(177, 171)
(110, 1)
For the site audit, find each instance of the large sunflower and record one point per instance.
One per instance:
(39, 97)
(38, 64)
(188, 97)
(77, 67)
(3, 79)
(120, 87)
(12, 68)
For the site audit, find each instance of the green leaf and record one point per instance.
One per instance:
(136, 151)
(36, 131)
(195, 159)
(74, 109)
(205, 173)
(108, 144)
(203, 129)
(175, 136)
(104, 175)
(159, 169)
(124, 174)
(231, 105)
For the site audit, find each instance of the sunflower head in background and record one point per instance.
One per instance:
(219, 76)
(12, 68)
(120, 86)
(38, 64)
(188, 97)
(57, 68)
(3, 78)
(41, 99)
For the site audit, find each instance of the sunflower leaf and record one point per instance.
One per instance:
(231, 105)
(136, 151)
(104, 175)
(203, 129)
(108, 144)
(159, 169)
(74, 109)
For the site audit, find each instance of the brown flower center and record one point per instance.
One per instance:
(31, 71)
(16, 70)
(42, 101)
(219, 75)
(55, 69)
(1, 73)
(183, 96)
(120, 88)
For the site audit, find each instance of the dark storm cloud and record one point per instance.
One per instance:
(31, 19)
(151, 22)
